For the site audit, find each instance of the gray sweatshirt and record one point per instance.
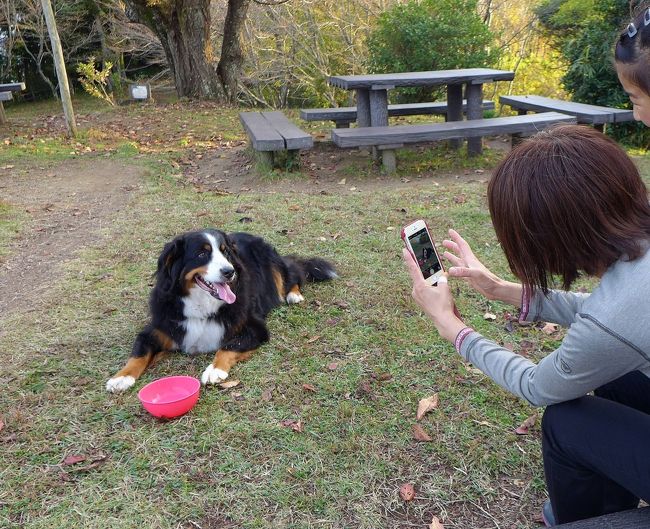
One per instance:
(608, 336)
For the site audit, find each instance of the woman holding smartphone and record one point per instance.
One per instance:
(568, 201)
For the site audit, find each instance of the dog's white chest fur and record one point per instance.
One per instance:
(202, 335)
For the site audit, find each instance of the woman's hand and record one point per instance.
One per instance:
(468, 267)
(436, 301)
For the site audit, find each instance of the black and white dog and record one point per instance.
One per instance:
(213, 292)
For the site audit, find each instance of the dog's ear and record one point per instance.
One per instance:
(170, 264)
(230, 243)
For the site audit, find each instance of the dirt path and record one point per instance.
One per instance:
(68, 204)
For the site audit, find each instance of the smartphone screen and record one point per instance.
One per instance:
(424, 252)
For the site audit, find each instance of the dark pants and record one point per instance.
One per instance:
(597, 450)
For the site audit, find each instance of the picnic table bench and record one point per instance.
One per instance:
(594, 115)
(390, 138)
(343, 116)
(6, 95)
(272, 132)
(632, 519)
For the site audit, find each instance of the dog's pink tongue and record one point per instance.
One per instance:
(225, 293)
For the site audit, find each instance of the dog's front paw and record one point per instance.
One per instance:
(295, 297)
(213, 375)
(119, 384)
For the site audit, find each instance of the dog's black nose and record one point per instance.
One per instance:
(227, 272)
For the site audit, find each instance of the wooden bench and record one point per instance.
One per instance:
(588, 114)
(272, 132)
(389, 138)
(343, 116)
(6, 95)
(632, 519)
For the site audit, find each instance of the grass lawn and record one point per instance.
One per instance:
(359, 342)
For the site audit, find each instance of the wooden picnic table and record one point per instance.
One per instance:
(372, 93)
(5, 95)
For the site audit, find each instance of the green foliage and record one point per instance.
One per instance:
(430, 35)
(95, 81)
(585, 31)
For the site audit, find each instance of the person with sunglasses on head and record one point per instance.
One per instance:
(569, 202)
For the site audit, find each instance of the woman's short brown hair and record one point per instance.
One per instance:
(568, 200)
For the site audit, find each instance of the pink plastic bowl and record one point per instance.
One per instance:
(170, 397)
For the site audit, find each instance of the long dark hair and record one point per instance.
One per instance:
(568, 200)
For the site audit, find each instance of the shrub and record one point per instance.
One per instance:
(95, 81)
(425, 35)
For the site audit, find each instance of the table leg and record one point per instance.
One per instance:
(3, 117)
(363, 107)
(379, 118)
(516, 138)
(474, 96)
(454, 108)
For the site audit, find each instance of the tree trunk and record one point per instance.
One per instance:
(232, 58)
(57, 55)
(183, 27)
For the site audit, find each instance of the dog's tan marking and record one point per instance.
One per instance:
(224, 360)
(295, 289)
(189, 277)
(135, 366)
(279, 282)
(165, 341)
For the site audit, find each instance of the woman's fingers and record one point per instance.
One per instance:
(463, 247)
(462, 271)
(412, 266)
(451, 245)
(453, 259)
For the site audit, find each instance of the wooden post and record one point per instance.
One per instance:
(516, 138)
(62, 76)
(474, 96)
(379, 118)
(454, 108)
(363, 107)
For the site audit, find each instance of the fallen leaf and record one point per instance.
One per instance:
(426, 405)
(526, 425)
(2, 424)
(407, 492)
(526, 347)
(296, 426)
(294, 208)
(332, 366)
(460, 199)
(383, 377)
(267, 394)
(489, 316)
(342, 182)
(419, 434)
(550, 328)
(313, 339)
(309, 387)
(72, 460)
(435, 524)
(229, 384)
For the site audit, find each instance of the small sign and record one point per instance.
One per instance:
(140, 91)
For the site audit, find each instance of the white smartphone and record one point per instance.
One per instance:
(418, 240)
